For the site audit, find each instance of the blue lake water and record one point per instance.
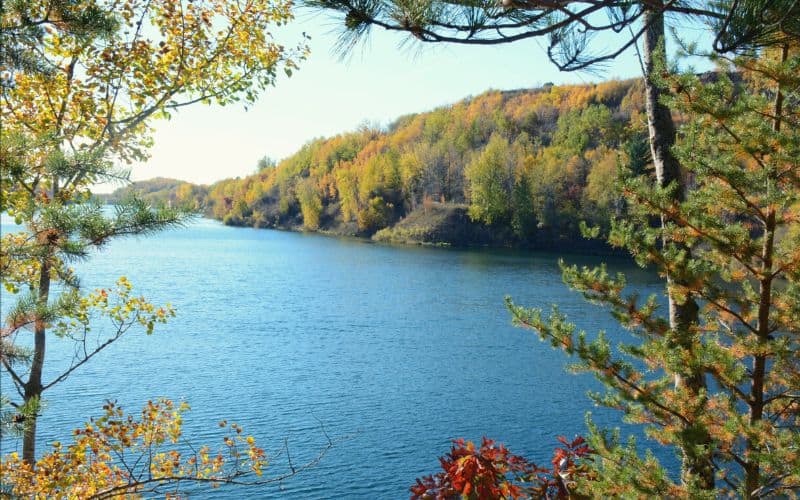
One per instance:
(401, 349)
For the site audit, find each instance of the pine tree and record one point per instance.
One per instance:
(741, 220)
(568, 28)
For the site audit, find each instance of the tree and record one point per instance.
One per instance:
(118, 455)
(491, 180)
(265, 162)
(23, 26)
(523, 217)
(569, 27)
(741, 146)
(375, 215)
(88, 105)
(310, 203)
(753, 24)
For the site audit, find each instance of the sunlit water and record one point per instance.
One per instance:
(295, 336)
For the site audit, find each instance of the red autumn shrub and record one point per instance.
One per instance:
(491, 471)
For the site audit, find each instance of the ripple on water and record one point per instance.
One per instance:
(297, 336)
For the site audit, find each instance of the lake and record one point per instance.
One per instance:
(397, 349)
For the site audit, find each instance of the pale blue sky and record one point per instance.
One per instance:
(326, 96)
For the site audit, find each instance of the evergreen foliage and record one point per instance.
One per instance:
(740, 220)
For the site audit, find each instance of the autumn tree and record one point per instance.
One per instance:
(741, 145)
(120, 455)
(310, 203)
(553, 139)
(84, 108)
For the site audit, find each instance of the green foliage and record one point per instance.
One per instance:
(739, 144)
(376, 215)
(522, 160)
(523, 218)
(310, 204)
(567, 28)
(160, 191)
(753, 24)
(491, 180)
(602, 184)
(14, 420)
(22, 28)
(265, 162)
(581, 129)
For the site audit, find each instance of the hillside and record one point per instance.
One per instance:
(516, 168)
(158, 191)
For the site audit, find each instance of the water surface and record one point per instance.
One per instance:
(296, 336)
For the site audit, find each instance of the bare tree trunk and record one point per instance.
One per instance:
(683, 316)
(33, 387)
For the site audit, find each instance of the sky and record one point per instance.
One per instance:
(379, 82)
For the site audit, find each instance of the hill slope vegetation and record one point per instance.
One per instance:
(515, 168)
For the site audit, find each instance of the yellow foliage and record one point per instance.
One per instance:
(119, 456)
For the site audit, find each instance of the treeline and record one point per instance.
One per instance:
(159, 191)
(519, 167)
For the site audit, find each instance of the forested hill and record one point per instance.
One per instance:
(160, 190)
(517, 168)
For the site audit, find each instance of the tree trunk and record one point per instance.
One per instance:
(683, 316)
(757, 400)
(33, 388)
